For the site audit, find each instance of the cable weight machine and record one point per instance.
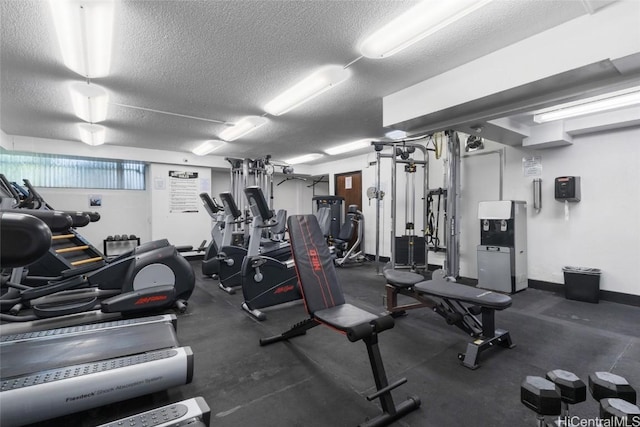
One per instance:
(415, 255)
(452, 213)
(252, 172)
(402, 154)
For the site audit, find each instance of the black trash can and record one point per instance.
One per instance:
(582, 284)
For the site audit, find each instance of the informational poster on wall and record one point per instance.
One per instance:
(183, 192)
(532, 166)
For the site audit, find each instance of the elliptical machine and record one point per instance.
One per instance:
(266, 281)
(211, 262)
(154, 280)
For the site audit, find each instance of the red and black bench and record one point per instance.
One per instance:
(326, 305)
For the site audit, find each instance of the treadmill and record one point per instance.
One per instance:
(51, 373)
(47, 374)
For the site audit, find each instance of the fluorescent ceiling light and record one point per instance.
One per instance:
(242, 127)
(396, 134)
(420, 21)
(304, 159)
(596, 104)
(318, 82)
(91, 134)
(89, 102)
(85, 32)
(351, 146)
(207, 147)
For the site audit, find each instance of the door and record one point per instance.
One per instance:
(349, 186)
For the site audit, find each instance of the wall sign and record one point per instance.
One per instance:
(183, 192)
(532, 166)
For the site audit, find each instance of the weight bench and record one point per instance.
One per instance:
(458, 304)
(325, 305)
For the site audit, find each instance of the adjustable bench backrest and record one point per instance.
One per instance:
(314, 265)
(229, 203)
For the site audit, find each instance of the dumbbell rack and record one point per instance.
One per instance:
(118, 244)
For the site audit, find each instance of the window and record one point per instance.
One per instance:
(48, 170)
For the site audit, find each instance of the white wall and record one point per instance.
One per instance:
(122, 211)
(603, 230)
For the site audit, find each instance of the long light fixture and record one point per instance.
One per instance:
(89, 102)
(304, 159)
(592, 105)
(91, 134)
(308, 88)
(208, 147)
(85, 32)
(351, 146)
(420, 21)
(242, 127)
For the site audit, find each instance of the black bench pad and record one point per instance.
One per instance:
(402, 279)
(345, 316)
(455, 291)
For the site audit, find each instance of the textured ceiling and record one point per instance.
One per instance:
(223, 60)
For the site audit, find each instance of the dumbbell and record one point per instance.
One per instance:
(603, 385)
(616, 396)
(572, 389)
(619, 409)
(541, 396)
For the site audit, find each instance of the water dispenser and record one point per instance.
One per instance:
(502, 253)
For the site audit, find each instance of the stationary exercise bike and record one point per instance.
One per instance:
(231, 256)
(266, 281)
(211, 261)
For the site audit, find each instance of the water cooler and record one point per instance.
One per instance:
(502, 253)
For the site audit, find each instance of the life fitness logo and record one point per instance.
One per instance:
(153, 298)
(315, 260)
